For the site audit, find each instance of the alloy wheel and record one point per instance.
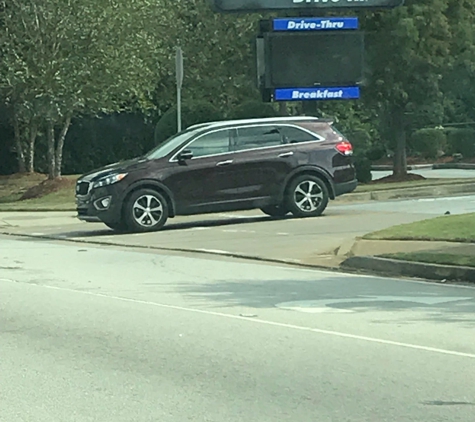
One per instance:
(308, 196)
(147, 211)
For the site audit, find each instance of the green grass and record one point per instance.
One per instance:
(411, 184)
(13, 187)
(452, 228)
(435, 258)
(62, 200)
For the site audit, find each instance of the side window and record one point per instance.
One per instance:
(292, 135)
(210, 144)
(258, 137)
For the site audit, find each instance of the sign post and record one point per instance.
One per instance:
(179, 84)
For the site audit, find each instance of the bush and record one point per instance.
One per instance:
(461, 141)
(428, 142)
(191, 114)
(252, 109)
(363, 169)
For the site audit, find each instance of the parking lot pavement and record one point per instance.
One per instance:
(431, 174)
(250, 233)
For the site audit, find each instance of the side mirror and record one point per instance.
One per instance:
(186, 154)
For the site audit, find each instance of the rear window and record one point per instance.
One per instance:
(325, 130)
(293, 135)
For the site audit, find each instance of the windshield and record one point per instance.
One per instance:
(170, 144)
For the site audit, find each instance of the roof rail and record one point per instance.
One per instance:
(262, 120)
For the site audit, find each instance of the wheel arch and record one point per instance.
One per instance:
(314, 171)
(153, 185)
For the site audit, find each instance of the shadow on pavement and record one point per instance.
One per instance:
(261, 294)
(170, 227)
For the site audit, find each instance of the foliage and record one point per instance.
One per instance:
(461, 141)
(429, 143)
(192, 113)
(61, 59)
(95, 142)
(252, 109)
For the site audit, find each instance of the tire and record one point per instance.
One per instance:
(146, 210)
(307, 196)
(275, 211)
(118, 227)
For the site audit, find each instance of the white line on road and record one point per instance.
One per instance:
(264, 322)
(218, 251)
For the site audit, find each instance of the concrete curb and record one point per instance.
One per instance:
(454, 166)
(437, 166)
(399, 268)
(384, 167)
(289, 263)
(411, 193)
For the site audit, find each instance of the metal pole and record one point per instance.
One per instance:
(179, 84)
(178, 107)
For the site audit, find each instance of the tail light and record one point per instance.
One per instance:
(345, 148)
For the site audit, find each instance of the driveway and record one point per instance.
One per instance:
(251, 234)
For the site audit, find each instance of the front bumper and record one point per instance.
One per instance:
(90, 207)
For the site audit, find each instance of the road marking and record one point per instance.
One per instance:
(263, 322)
(218, 251)
(240, 216)
(324, 305)
(238, 231)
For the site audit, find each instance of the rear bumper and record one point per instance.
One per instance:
(346, 187)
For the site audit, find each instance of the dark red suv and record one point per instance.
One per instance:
(280, 165)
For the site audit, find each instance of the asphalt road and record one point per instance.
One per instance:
(310, 241)
(103, 334)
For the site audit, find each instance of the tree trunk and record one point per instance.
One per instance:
(51, 155)
(31, 145)
(18, 146)
(283, 109)
(60, 145)
(399, 130)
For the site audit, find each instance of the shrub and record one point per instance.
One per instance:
(252, 109)
(191, 114)
(363, 169)
(461, 141)
(428, 142)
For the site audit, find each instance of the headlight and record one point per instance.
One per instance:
(109, 180)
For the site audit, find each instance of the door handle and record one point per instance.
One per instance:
(224, 163)
(286, 154)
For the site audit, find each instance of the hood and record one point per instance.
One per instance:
(120, 167)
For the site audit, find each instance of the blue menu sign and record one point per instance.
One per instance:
(314, 94)
(314, 24)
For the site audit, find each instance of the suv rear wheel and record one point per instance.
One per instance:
(146, 210)
(307, 196)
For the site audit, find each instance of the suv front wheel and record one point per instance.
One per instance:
(307, 196)
(275, 211)
(146, 210)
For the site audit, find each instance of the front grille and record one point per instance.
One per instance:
(82, 188)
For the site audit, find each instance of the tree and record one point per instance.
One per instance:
(408, 49)
(65, 58)
(218, 59)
